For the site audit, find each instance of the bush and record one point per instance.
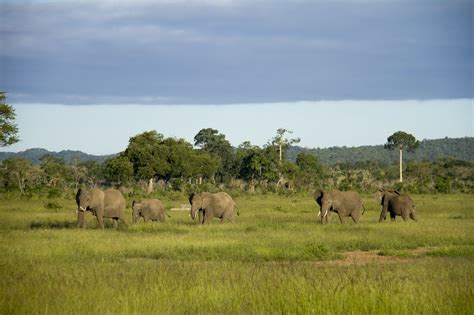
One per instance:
(52, 205)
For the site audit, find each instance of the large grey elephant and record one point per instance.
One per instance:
(344, 203)
(395, 203)
(213, 205)
(148, 209)
(103, 204)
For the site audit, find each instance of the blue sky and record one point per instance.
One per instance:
(247, 58)
(107, 128)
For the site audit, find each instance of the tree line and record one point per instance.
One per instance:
(155, 163)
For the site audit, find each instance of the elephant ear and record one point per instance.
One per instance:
(318, 196)
(191, 198)
(78, 195)
(379, 195)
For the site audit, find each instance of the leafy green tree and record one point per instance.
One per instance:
(402, 141)
(148, 157)
(118, 170)
(8, 129)
(204, 165)
(308, 163)
(179, 154)
(19, 173)
(210, 140)
(257, 164)
(310, 170)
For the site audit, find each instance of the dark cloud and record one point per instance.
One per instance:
(236, 51)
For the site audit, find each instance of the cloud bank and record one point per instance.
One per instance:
(209, 51)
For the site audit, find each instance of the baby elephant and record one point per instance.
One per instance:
(148, 209)
(397, 204)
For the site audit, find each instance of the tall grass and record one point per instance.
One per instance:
(275, 258)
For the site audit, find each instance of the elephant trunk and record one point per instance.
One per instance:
(135, 217)
(323, 212)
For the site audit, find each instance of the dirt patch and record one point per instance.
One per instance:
(372, 256)
(365, 257)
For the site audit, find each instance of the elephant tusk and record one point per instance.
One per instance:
(82, 209)
(325, 214)
(319, 213)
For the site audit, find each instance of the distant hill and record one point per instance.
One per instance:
(68, 156)
(458, 148)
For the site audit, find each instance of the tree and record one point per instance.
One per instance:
(94, 172)
(402, 141)
(8, 129)
(20, 173)
(78, 172)
(118, 170)
(283, 143)
(310, 169)
(210, 140)
(148, 157)
(54, 170)
(204, 165)
(257, 164)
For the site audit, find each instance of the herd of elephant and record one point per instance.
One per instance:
(206, 206)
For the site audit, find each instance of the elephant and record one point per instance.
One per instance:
(344, 203)
(213, 205)
(103, 204)
(148, 209)
(397, 204)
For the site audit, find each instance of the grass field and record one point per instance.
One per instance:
(274, 259)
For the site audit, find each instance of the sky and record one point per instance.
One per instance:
(336, 72)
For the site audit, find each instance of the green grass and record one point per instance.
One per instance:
(274, 259)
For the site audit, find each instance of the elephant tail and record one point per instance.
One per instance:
(238, 210)
(363, 209)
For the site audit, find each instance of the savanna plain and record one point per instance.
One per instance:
(275, 258)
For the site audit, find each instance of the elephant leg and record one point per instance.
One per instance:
(383, 215)
(392, 216)
(206, 219)
(355, 216)
(100, 220)
(122, 218)
(115, 221)
(341, 218)
(404, 216)
(229, 217)
(413, 216)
